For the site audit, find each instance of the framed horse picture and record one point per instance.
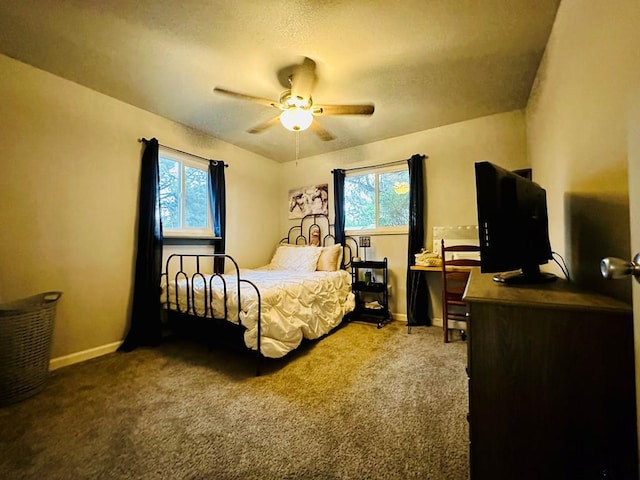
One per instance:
(308, 200)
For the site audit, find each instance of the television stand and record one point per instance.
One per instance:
(551, 383)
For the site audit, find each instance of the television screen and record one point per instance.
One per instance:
(512, 224)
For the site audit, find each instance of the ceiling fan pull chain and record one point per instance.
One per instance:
(297, 147)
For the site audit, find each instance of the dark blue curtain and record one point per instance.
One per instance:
(417, 293)
(218, 209)
(338, 205)
(146, 325)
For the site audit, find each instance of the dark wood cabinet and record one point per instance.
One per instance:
(551, 383)
(370, 287)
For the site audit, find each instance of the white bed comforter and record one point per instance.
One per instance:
(295, 305)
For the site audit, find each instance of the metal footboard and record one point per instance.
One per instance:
(191, 267)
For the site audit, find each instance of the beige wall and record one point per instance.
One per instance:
(452, 151)
(70, 161)
(577, 133)
(583, 131)
(68, 190)
(634, 203)
(70, 164)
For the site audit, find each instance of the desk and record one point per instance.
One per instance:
(436, 291)
(412, 308)
(425, 268)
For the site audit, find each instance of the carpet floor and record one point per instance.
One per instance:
(361, 403)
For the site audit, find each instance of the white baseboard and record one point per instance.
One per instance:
(437, 322)
(78, 357)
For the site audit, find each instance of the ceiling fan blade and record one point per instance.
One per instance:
(261, 127)
(251, 98)
(303, 80)
(322, 132)
(343, 109)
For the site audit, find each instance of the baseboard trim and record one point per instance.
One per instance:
(78, 357)
(437, 322)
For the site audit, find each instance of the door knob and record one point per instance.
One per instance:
(615, 268)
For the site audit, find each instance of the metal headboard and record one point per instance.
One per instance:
(303, 233)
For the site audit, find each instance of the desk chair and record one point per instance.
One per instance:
(457, 261)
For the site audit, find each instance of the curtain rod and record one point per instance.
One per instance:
(397, 162)
(215, 162)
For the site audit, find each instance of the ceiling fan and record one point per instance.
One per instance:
(297, 110)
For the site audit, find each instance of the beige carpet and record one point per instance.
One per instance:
(362, 403)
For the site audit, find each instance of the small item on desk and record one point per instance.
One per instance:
(367, 278)
(428, 259)
(355, 259)
(375, 305)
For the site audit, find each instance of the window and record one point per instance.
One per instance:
(184, 196)
(377, 201)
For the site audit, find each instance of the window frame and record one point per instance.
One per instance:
(188, 236)
(378, 230)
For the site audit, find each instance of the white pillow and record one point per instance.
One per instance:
(330, 258)
(291, 257)
(339, 260)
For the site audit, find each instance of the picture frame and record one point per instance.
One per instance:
(308, 200)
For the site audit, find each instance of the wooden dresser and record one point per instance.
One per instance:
(551, 383)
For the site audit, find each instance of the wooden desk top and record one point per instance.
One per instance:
(425, 268)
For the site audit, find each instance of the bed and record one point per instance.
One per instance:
(303, 293)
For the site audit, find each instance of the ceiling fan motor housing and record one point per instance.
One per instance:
(287, 99)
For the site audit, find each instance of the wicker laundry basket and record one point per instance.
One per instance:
(26, 328)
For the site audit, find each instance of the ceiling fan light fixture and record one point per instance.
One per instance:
(296, 108)
(296, 119)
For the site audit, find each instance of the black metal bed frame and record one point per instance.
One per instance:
(296, 236)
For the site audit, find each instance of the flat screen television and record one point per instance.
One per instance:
(512, 225)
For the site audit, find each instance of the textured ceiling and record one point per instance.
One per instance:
(423, 63)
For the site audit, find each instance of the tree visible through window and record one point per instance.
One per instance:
(184, 196)
(377, 200)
